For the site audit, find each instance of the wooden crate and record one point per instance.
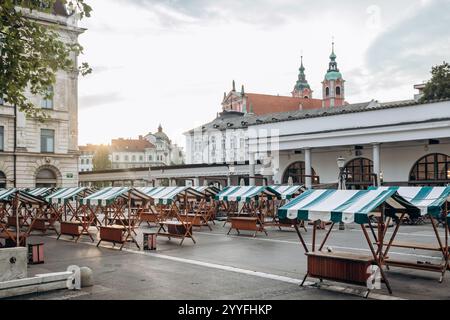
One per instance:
(245, 223)
(339, 266)
(71, 228)
(112, 234)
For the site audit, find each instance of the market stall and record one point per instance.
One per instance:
(287, 193)
(432, 202)
(347, 206)
(119, 207)
(246, 207)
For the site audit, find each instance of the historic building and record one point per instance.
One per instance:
(155, 149)
(214, 143)
(34, 153)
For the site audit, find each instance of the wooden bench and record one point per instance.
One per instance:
(246, 223)
(339, 266)
(195, 219)
(40, 224)
(148, 217)
(414, 245)
(71, 228)
(176, 229)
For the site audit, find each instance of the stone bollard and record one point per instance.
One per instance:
(87, 278)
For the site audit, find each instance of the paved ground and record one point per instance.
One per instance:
(230, 267)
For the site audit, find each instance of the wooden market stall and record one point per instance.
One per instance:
(347, 206)
(210, 206)
(287, 193)
(119, 207)
(150, 214)
(178, 214)
(432, 202)
(246, 207)
(13, 228)
(63, 205)
(37, 217)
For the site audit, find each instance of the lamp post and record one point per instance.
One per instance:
(341, 181)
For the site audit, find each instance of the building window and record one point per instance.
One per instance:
(133, 158)
(327, 91)
(82, 161)
(338, 91)
(88, 161)
(2, 138)
(2, 180)
(47, 141)
(45, 178)
(433, 169)
(141, 158)
(359, 173)
(150, 158)
(126, 158)
(117, 158)
(297, 172)
(47, 101)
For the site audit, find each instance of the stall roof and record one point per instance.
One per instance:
(65, 195)
(288, 192)
(346, 206)
(209, 191)
(39, 192)
(9, 194)
(246, 194)
(428, 199)
(166, 195)
(108, 195)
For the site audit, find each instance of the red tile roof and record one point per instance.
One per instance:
(131, 145)
(263, 103)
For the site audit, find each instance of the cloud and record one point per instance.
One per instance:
(406, 51)
(95, 100)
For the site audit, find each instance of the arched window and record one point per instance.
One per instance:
(327, 91)
(338, 91)
(2, 180)
(45, 178)
(359, 173)
(306, 97)
(432, 169)
(297, 172)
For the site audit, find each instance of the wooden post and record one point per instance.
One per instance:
(314, 236)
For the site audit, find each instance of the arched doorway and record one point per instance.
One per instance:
(433, 170)
(297, 171)
(2, 180)
(46, 178)
(359, 173)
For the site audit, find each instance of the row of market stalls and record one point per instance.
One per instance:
(115, 213)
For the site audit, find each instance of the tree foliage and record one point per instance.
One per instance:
(101, 158)
(439, 85)
(31, 52)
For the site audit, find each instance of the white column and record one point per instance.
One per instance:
(308, 171)
(251, 167)
(376, 161)
(196, 182)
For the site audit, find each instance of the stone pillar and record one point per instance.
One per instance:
(376, 161)
(308, 171)
(251, 169)
(196, 182)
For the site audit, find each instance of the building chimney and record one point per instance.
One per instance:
(420, 88)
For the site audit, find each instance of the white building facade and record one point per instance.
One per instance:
(46, 154)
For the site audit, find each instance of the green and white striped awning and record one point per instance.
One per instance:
(246, 194)
(7, 195)
(208, 191)
(108, 196)
(167, 195)
(39, 192)
(346, 206)
(65, 195)
(288, 192)
(429, 200)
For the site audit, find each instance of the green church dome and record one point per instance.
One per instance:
(333, 75)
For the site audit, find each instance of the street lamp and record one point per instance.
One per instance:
(341, 181)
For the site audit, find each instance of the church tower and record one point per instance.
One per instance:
(302, 88)
(333, 85)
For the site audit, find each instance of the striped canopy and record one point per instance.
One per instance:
(429, 200)
(108, 196)
(209, 191)
(346, 206)
(24, 197)
(246, 194)
(65, 195)
(288, 192)
(39, 192)
(167, 195)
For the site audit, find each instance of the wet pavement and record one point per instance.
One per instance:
(224, 266)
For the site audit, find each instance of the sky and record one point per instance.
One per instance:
(169, 62)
